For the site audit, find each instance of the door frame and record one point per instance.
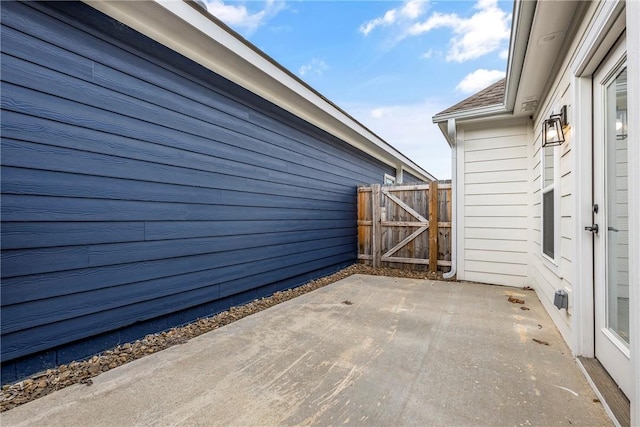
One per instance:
(614, 355)
(608, 23)
(608, 26)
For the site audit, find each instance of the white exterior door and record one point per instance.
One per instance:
(611, 240)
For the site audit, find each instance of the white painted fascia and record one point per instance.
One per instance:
(523, 13)
(491, 110)
(187, 29)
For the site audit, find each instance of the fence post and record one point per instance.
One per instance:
(376, 226)
(433, 226)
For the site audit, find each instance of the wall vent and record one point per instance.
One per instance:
(529, 105)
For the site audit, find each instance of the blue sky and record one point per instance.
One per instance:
(390, 64)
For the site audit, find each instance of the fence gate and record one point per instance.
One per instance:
(405, 225)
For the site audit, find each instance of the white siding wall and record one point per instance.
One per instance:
(477, 210)
(494, 221)
(549, 276)
(573, 268)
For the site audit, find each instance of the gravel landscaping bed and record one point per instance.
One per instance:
(48, 381)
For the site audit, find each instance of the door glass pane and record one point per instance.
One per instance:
(617, 187)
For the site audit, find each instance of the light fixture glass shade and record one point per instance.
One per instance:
(552, 133)
(621, 124)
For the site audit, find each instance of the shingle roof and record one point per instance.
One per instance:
(492, 95)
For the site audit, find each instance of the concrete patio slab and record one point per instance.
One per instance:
(367, 350)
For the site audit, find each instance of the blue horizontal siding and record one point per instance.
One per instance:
(289, 139)
(64, 331)
(141, 191)
(43, 208)
(188, 169)
(22, 181)
(65, 353)
(29, 235)
(61, 258)
(408, 178)
(71, 306)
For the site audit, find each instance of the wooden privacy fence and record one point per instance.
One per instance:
(405, 225)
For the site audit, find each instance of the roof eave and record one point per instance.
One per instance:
(471, 113)
(522, 21)
(447, 123)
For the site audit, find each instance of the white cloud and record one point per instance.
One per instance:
(484, 32)
(238, 16)
(409, 129)
(436, 20)
(316, 66)
(410, 10)
(504, 54)
(428, 54)
(479, 80)
(387, 19)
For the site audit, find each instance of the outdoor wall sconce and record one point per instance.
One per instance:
(621, 124)
(552, 133)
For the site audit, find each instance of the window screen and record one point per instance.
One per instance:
(548, 224)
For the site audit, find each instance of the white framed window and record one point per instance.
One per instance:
(550, 216)
(389, 179)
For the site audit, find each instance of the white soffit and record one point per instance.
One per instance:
(549, 32)
(188, 30)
